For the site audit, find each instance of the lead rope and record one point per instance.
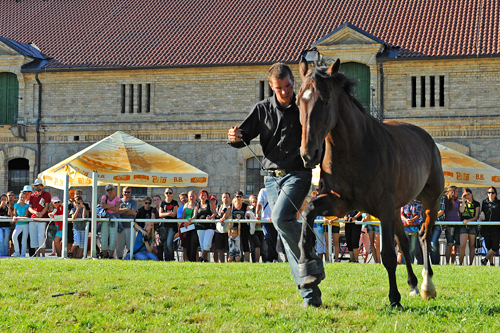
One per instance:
(286, 194)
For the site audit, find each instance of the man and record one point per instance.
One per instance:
(38, 207)
(128, 209)
(287, 181)
(183, 197)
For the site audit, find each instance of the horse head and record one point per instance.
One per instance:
(318, 110)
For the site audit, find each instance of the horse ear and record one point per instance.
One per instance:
(302, 67)
(334, 69)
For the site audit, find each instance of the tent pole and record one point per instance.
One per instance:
(64, 252)
(93, 252)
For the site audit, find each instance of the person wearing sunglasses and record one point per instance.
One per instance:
(238, 212)
(168, 210)
(469, 212)
(490, 211)
(110, 202)
(128, 209)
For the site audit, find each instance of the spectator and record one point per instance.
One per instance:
(490, 211)
(56, 209)
(319, 232)
(38, 207)
(469, 212)
(411, 216)
(263, 212)
(205, 230)
(128, 209)
(4, 225)
(69, 232)
(333, 221)
(190, 238)
(221, 234)
(79, 211)
(28, 190)
(257, 238)
(168, 210)
(451, 213)
(157, 201)
(436, 233)
(12, 201)
(234, 246)
(238, 212)
(21, 227)
(183, 198)
(111, 203)
(144, 243)
(352, 234)
(373, 231)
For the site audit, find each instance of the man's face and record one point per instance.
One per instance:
(183, 198)
(12, 197)
(226, 199)
(127, 193)
(39, 188)
(283, 89)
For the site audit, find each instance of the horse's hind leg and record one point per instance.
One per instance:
(405, 249)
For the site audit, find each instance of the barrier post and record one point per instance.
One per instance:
(64, 250)
(93, 240)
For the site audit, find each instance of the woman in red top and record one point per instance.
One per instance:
(56, 209)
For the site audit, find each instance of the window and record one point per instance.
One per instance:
(254, 180)
(262, 90)
(140, 94)
(9, 91)
(19, 174)
(436, 94)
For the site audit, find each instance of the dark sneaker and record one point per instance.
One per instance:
(484, 262)
(307, 303)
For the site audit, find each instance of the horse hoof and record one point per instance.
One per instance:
(429, 294)
(414, 292)
(309, 268)
(311, 281)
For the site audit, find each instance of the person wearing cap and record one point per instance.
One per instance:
(276, 120)
(56, 209)
(21, 228)
(38, 207)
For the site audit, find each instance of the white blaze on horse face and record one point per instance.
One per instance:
(307, 94)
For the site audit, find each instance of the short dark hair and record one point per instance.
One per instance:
(238, 193)
(279, 71)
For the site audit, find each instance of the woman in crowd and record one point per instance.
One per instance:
(451, 213)
(111, 203)
(469, 212)
(56, 209)
(411, 217)
(144, 243)
(257, 238)
(205, 230)
(190, 238)
(168, 210)
(22, 227)
(238, 213)
(4, 225)
(221, 244)
(352, 234)
(373, 231)
(490, 211)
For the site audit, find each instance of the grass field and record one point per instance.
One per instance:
(136, 296)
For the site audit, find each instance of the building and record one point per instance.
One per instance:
(177, 74)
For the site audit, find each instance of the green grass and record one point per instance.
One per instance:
(205, 297)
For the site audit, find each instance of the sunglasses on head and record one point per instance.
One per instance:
(147, 203)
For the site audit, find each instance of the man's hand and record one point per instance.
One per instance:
(234, 134)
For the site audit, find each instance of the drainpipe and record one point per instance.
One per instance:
(38, 120)
(381, 91)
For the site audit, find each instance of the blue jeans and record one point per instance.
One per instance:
(168, 245)
(280, 190)
(412, 241)
(4, 241)
(435, 255)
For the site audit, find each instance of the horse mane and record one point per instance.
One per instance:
(340, 79)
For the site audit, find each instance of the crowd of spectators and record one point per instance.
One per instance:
(225, 235)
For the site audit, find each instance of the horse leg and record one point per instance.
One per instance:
(428, 289)
(307, 267)
(405, 249)
(388, 254)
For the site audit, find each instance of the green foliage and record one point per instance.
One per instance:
(200, 297)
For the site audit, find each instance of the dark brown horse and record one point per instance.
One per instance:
(368, 166)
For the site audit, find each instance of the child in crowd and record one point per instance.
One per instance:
(234, 246)
(56, 209)
(22, 227)
(78, 211)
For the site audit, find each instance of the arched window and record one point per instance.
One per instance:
(19, 174)
(9, 91)
(254, 180)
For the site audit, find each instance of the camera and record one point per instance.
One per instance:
(147, 238)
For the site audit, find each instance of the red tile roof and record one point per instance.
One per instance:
(137, 33)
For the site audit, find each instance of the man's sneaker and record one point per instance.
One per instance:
(484, 262)
(200, 259)
(15, 255)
